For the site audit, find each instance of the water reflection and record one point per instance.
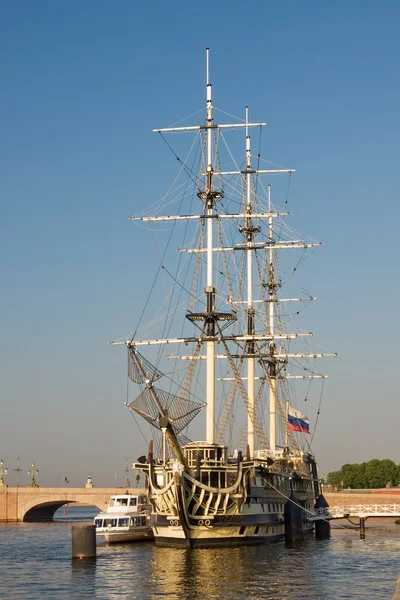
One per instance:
(123, 570)
(35, 563)
(83, 579)
(230, 573)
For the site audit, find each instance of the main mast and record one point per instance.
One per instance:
(249, 231)
(209, 199)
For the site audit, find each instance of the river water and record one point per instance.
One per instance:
(35, 563)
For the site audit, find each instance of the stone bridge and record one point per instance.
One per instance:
(40, 504)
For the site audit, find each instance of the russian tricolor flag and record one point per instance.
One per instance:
(297, 421)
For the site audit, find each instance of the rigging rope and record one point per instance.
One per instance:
(257, 426)
(302, 507)
(318, 411)
(191, 174)
(164, 253)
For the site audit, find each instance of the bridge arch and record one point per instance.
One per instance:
(40, 503)
(42, 510)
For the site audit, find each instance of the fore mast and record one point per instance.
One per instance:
(209, 196)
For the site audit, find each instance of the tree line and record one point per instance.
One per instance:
(368, 475)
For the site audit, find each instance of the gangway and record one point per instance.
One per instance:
(360, 511)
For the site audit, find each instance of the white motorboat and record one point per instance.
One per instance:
(125, 520)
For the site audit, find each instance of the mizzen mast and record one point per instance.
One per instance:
(272, 286)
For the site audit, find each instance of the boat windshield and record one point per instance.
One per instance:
(138, 521)
(119, 501)
(125, 501)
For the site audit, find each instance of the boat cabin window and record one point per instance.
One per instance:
(98, 522)
(123, 522)
(120, 502)
(132, 502)
(138, 521)
(110, 522)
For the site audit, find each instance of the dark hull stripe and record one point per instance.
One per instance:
(213, 542)
(228, 520)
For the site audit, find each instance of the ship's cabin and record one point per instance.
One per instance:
(202, 453)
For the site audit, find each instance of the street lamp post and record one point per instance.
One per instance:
(127, 481)
(33, 471)
(3, 471)
(17, 471)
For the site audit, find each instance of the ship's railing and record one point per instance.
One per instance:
(279, 466)
(283, 461)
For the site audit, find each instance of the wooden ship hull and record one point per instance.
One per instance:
(241, 502)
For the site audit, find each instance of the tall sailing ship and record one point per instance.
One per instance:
(253, 479)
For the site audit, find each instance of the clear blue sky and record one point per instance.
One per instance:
(82, 85)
